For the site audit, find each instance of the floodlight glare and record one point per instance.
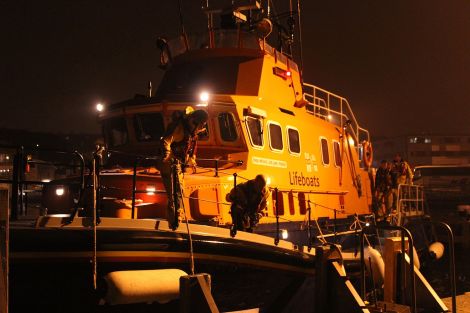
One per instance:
(204, 96)
(59, 191)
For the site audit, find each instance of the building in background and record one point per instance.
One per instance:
(424, 149)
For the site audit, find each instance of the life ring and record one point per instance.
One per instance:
(367, 153)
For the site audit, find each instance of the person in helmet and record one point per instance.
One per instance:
(402, 171)
(178, 151)
(383, 190)
(402, 174)
(248, 202)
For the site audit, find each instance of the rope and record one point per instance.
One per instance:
(357, 224)
(320, 205)
(210, 201)
(191, 249)
(321, 237)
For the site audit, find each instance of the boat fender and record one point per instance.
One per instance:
(378, 265)
(143, 286)
(367, 153)
(436, 250)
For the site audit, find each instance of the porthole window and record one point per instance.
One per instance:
(228, 130)
(294, 140)
(337, 152)
(275, 137)
(324, 151)
(255, 131)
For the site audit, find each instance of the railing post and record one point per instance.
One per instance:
(334, 224)
(363, 274)
(309, 230)
(234, 208)
(21, 178)
(453, 288)
(134, 183)
(276, 239)
(16, 181)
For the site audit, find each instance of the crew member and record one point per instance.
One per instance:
(178, 151)
(383, 190)
(248, 201)
(402, 171)
(401, 174)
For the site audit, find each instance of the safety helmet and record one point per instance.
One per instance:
(260, 182)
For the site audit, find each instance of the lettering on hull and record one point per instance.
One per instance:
(298, 179)
(269, 162)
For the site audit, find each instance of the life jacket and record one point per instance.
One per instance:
(185, 147)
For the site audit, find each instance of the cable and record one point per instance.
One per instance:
(191, 250)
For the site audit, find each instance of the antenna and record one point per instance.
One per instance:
(300, 41)
(183, 31)
(291, 24)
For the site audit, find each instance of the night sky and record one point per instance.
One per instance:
(404, 65)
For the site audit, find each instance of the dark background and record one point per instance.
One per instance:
(404, 65)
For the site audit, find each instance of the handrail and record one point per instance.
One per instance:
(276, 239)
(217, 161)
(134, 186)
(322, 99)
(404, 232)
(404, 195)
(453, 286)
(317, 192)
(18, 178)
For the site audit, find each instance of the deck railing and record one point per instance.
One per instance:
(334, 108)
(410, 202)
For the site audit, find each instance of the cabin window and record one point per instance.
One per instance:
(324, 151)
(337, 152)
(302, 203)
(275, 137)
(278, 203)
(116, 131)
(228, 130)
(294, 140)
(255, 131)
(148, 127)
